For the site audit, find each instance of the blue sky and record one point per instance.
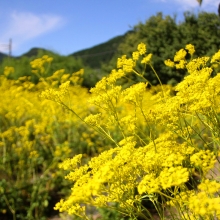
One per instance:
(71, 25)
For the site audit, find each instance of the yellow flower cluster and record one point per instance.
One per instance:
(169, 63)
(8, 70)
(173, 176)
(200, 204)
(142, 48)
(56, 95)
(115, 174)
(71, 163)
(60, 77)
(31, 145)
(147, 59)
(149, 184)
(39, 64)
(128, 65)
(77, 209)
(190, 48)
(158, 145)
(179, 58)
(204, 160)
(105, 94)
(180, 55)
(203, 205)
(216, 57)
(93, 120)
(135, 93)
(210, 187)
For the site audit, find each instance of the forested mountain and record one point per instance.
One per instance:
(102, 53)
(162, 34)
(33, 52)
(2, 56)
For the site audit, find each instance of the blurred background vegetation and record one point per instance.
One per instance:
(36, 135)
(162, 34)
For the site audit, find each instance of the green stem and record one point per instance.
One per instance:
(9, 206)
(158, 79)
(108, 136)
(161, 217)
(155, 148)
(115, 115)
(103, 131)
(141, 76)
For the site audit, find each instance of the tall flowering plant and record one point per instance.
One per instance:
(169, 144)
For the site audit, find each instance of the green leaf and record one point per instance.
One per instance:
(45, 203)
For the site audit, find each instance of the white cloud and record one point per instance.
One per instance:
(23, 26)
(207, 5)
(187, 3)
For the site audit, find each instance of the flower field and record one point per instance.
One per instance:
(131, 148)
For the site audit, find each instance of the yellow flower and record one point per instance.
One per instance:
(147, 59)
(114, 76)
(134, 94)
(135, 55)
(204, 159)
(190, 49)
(128, 65)
(141, 48)
(204, 206)
(93, 120)
(8, 70)
(34, 154)
(169, 63)
(180, 55)
(181, 64)
(173, 176)
(71, 163)
(121, 61)
(149, 185)
(56, 95)
(216, 57)
(39, 63)
(209, 186)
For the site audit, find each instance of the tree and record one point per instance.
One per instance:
(163, 37)
(200, 2)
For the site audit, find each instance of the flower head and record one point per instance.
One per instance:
(142, 48)
(190, 49)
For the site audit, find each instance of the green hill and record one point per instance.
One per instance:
(36, 51)
(92, 57)
(2, 56)
(95, 56)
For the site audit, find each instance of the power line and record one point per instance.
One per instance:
(95, 54)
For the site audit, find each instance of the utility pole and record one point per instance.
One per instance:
(8, 47)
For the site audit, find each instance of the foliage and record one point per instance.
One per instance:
(163, 36)
(22, 65)
(2, 56)
(31, 145)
